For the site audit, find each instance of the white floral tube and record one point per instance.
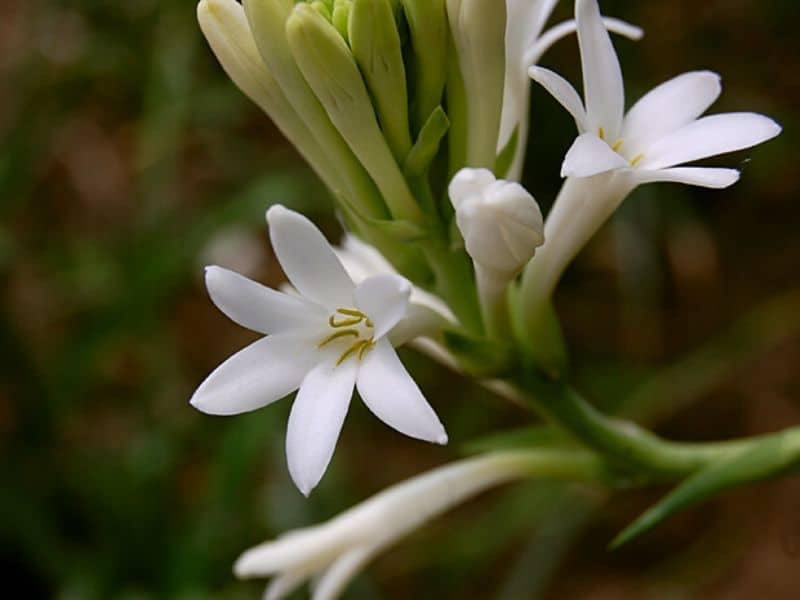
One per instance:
(337, 550)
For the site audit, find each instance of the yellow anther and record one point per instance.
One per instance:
(359, 347)
(617, 145)
(602, 133)
(336, 335)
(350, 312)
(637, 159)
(344, 322)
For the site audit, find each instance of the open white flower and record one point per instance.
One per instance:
(661, 131)
(526, 43)
(615, 152)
(325, 341)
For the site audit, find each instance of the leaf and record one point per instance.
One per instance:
(773, 456)
(426, 147)
(396, 229)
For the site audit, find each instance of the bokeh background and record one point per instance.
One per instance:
(128, 161)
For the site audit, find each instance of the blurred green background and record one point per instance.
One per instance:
(128, 161)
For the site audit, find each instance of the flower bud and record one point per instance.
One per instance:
(500, 221)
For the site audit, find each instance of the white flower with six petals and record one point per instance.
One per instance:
(326, 341)
(662, 130)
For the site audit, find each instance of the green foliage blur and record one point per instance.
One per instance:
(128, 161)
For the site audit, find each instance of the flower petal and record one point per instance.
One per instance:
(384, 299)
(316, 421)
(709, 136)
(668, 107)
(700, 176)
(392, 395)
(562, 90)
(264, 371)
(468, 182)
(308, 259)
(334, 580)
(603, 89)
(258, 307)
(589, 155)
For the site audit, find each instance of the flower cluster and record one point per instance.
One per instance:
(414, 113)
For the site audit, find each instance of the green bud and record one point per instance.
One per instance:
(341, 15)
(375, 43)
(267, 20)
(427, 23)
(427, 145)
(225, 26)
(478, 32)
(322, 8)
(330, 69)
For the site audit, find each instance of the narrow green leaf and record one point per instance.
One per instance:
(426, 147)
(774, 455)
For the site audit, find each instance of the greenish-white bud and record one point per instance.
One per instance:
(502, 226)
(500, 221)
(478, 30)
(328, 66)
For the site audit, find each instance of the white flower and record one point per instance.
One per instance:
(500, 221)
(334, 552)
(325, 341)
(526, 43)
(615, 152)
(661, 131)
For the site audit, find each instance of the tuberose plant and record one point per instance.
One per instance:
(414, 113)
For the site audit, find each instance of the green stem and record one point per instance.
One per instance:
(455, 283)
(625, 443)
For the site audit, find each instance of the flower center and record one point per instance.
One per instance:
(617, 146)
(353, 332)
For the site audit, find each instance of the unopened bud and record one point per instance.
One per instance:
(500, 221)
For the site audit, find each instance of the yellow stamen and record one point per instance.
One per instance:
(602, 133)
(345, 322)
(361, 347)
(637, 159)
(617, 145)
(336, 335)
(350, 312)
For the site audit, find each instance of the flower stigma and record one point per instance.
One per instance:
(350, 325)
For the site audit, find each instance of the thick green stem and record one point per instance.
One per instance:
(626, 444)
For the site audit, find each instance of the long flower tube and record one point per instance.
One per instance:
(334, 552)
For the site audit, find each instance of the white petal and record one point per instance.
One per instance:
(316, 420)
(589, 155)
(562, 90)
(283, 585)
(308, 259)
(668, 107)
(264, 371)
(468, 182)
(333, 582)
(563, 29)
(258, 307)
(700, 176)
(709, 136)
(392, 395)
(603, 89)
(384, 299)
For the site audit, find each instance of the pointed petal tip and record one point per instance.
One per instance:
(276, 211)
(442, 439)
